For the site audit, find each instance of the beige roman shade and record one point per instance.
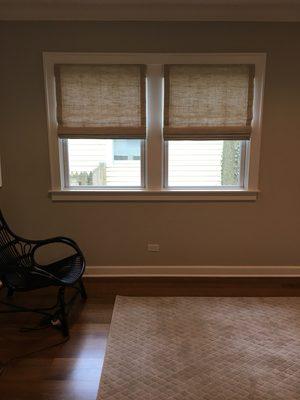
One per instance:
(208, 102)
(101, 100)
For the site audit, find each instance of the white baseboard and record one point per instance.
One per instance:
(192, 271)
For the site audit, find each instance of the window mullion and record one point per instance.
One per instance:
(65, 163)
(154, 150)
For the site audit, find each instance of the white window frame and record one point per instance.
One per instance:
(155, 149)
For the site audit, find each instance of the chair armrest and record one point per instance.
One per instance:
(58, 239)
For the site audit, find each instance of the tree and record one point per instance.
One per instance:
(82, 178)
(230, 162)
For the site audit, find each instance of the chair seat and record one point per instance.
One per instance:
(67, 270)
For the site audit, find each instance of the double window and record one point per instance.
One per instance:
(154, 123)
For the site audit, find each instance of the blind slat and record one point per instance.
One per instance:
(112, 132)
(208, 133)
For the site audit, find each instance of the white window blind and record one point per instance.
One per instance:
(204, 102)
(106, 101)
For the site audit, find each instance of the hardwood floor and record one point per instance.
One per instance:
(71, 371)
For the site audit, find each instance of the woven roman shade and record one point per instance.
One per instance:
(106, 101)
(204, 102)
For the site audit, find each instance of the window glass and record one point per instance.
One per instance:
(212, 163)
(102, 162)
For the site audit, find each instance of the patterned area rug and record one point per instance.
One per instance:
(203, 348)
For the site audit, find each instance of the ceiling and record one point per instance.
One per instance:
(151, 10)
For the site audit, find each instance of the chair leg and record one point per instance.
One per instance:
(63, 314)
(10, 292)
(82, 290)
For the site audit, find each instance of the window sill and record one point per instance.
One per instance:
(154, 195)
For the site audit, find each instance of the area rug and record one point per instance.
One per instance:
(203, 348)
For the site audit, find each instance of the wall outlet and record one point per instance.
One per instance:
(153, 247)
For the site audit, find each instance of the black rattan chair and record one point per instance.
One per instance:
(19, 272)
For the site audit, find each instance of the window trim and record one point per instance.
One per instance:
(154, 189)
(154, 195)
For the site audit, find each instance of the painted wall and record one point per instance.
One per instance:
(265, 232)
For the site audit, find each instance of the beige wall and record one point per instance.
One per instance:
(266, 232)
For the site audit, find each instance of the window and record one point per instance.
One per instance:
(203, 104)
(154, 126)
(95, 104)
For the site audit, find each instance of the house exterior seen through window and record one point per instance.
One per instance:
(103, 162)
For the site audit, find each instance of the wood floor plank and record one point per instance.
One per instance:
(193, 286)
